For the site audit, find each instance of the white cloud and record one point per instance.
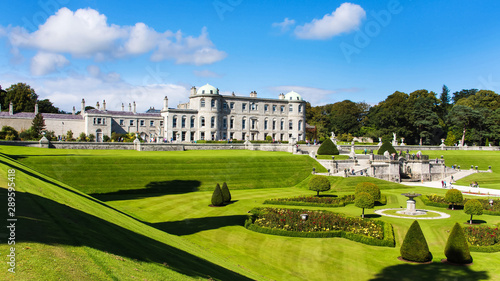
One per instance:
(344, 19)
(86, 33)
(316, 96)
(284, 25)
(45, 63)
(206, 73)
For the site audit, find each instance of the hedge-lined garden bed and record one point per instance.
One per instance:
(439, 201)
(320, 224)
(483, 238)
(322, 201)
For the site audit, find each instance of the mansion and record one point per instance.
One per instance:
(207, 116)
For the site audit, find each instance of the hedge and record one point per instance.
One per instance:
(428, 202)
(485, 249)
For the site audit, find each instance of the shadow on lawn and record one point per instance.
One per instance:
(153, 189)
(191, 226)
(45, 221)
(435, 271)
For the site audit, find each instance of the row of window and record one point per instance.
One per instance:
(253, 106)
(99, 121)
(253, 123)
(141, 123)
(184, 136)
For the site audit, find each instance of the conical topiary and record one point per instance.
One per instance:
(226, 195)
(414, 247)
(457, 249)
(328, 148)
(217, 199)
(386, 146)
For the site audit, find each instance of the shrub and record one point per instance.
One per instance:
(217, 199)
(29, 134)
(106, 138)
(454, 196)
(69, 135)
(91, 137)
(386, 146)
(313, 201)
(369, 188)
(82, 137)
(457, 250)
(319, 183)
(9, 133)
(414, 247)
(269, 138)
(226, 195)
(473, 207)
(365, 201)
(328, 148)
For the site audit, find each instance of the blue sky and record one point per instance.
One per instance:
(328, 51)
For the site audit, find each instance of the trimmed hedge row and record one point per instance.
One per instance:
(387, 241)
(485, 249)
(426, 201)
(344, 200)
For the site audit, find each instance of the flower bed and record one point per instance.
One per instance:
(438, 201)
(320, 224)
(483, 238)
(313, 201)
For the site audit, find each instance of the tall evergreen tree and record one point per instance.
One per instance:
(217, 199)
(226, 195)
(38, 125)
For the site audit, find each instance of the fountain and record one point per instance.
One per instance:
(410, 205)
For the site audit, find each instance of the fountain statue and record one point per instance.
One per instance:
(410, 205)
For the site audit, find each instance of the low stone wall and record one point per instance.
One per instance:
(21, 143)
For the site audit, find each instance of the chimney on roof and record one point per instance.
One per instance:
(82, 111)
(134, 107)
(97, 106)
(36, 108)
(11, 108)
(129, 107)
(123, 107)
(74, 109)
(253, 94)
(193, 90)
(104, 105)
(282, 97)
(165, 103)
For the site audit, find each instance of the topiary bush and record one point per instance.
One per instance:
(364, 201)
(226, 195)
(328, 148)
(369, 188)
(457, 249)
(217, 199)
(454, 196)
(473, 207)
(414, 247)
(386, 146)
(319, 183)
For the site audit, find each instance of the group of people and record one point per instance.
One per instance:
(474, 184)
(443, 183)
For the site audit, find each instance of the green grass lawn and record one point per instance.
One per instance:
(66, 234)
(125, 172)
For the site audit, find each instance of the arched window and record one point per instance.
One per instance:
(202, 122)
(300, 107)
(192, 121)
(265, 124)
(300, 125)
(213, 102)
(183, 122)
(212, 122)
(243, 123)
(290, 125)
(202, 103)
(224, 122)
(231, 123)
(174, 121)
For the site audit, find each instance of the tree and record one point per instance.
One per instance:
(463, 94)
(386, 146)
(463, 117)
(38, 125)
(217, 199)
(226, 195)
(473, 207)
(269, 138)
(369, 188)
(425, 120)
(69, 135)
(328, 148)
(46, 106)
(9, 133)
(414, 247)
(319, 183)
(364, 201)
(346, 117)
(457, 249)
(82, 137)
(22, 96)
(454, 196)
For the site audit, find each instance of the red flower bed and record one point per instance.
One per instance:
(290, 220)
(482, 236)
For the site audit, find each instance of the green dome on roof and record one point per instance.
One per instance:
(207, 89)
(293, 96)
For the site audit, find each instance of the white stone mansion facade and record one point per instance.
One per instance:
(207, 116)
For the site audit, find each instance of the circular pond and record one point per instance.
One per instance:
(429, 215)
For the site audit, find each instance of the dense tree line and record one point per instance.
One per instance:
(421, 117)
(24, 98)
